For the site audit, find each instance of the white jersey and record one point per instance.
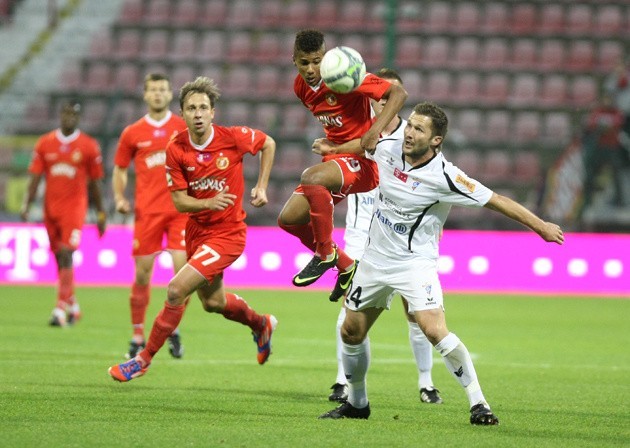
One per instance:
(412, 205)
(361, 206)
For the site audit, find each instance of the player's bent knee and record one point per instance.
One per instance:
(352, 336)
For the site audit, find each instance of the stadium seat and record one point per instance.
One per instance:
(186, 13)
(524, 91)
(438, 17)
(436, 53)
(214, 72)
(102, 45)
(609, 21)
(128, 44)
(495, 18)
(557, 128)
(466, 17)
(408, 52)
(94, 116)
(526, 127)
(374, 55)
(37, 119)
(552, 53)
(212, 46)
(239, 47)
(238, 81)
(155, 46)
(412, 80)
(467, 160)
(469, 123)
(131, 12)
(297, 14)
(236, 113)
(551, 19)
(554, 91)
(268, 81)
(465, 53)
(609, 55)
(438, 86)
(524, 54)
(497, 126)
(467, 88)
(127, 79)
(581, 56)
(353, 15)
(158, 12)
(183, 46)
(123, 114)
(411, 16)
(294, 120)
(98, 78)
(325, 14)
(213, 13)
(527, 167)
(523, 19)
(71, 78)
(267, 117)
(578, 19)
(242, 14)
(181, 74)
(495, 54)
(584, 91)
(291, 160)
(270, 14)
(497, 167)
(495, 89)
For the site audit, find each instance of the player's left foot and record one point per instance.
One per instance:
(73, 317)
(339, 393)
(263, 339)
(346, 410)
(175, 347)
(430, 395)
(127, 371)
(315, 269)
(58, 318)
(344, 280)
(480, 414)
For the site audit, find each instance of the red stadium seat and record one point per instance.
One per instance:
(186, 13)
(554, 92)
(239, 47)
(102, 45)
(412, 80)
(495, 54)
(294, 121)
(497, 167)
(128, 44)
(213, 12)
(71, 78)
(524, 90)
(98, 78)
(497, 127)
(212, 46)
(325, 14)
(237, 113)
(578, 19)
(495, 90)
(353, 15)
(469, 161)
(584, 91)
(131, 12)
(552, 53)
(238, 81)
(268, 49)
(466, 17)
(242, 13)
(466, 53)
(527, 167)
(182, 74)
(123, 114)
(374, 54)
(126, 78)
(557, 128)
(581, 56)
(297, 14)
(270, 14)
(524, 54)
(267, 117)
(495, 18)
(438, 86)
(467, 88)
(410, 15)
(158, 12)
(470, 124)
(527, 127)
(551, 19)
(438, 17)
(608, 21)
(524, 18)
(155, 45)
(609, 55)
(268, 81)
(94, 116)
(409, 51)
(183, 46)
(436, 52)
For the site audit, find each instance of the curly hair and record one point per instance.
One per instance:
(308, 41)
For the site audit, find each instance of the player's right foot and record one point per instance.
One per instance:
(58, 318)
(315, 269)
(344, 280)
(263, 339)
(430, 395)
(134, 349)
(480, 414)
(339, 393)
(175, 347)
(73, 317)
(346, 410)
(127, 370)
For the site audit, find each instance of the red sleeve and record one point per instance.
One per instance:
(174, 176)
(374, 87)
(125, 150)
(248, 140)
(37, 162)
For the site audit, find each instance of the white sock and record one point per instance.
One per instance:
(458, 362)
(356, 360)
(423, 353)
(341, 376)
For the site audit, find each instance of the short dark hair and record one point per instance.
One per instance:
(437, 115)
(156, 77)
(73, 104)
(308, 41)
(389, 73)
(202, 84)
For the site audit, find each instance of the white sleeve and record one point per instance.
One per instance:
(459, 189)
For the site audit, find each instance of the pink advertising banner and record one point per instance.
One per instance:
(470, 261)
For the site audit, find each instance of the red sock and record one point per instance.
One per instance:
(139, 301)
(344, 261)
(165, 323)
(237, 309)
(65, 290)
(322, 209)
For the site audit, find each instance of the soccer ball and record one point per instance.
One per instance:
(342, 69)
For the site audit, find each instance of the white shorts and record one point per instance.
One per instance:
(375, 286)
(355, 242)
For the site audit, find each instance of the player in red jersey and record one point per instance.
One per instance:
(308, 214)
(144, 144)
(70, 160)
(204, 167)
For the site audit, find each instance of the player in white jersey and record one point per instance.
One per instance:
(417, 188)
(358, 217)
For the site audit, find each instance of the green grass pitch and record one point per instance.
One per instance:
(555, 370)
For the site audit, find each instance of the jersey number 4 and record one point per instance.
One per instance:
(354, 297)
(208, 253)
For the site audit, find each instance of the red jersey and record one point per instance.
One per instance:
(344, 116)
(144, 142)
(67, 163)
(205, 170)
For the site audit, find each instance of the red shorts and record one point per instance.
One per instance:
(359, 175)
(150, 230)
(211, 250)
(64, 231)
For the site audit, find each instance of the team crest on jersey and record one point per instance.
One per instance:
(204, 157)
(415, 185)
(465, 182)
(400, 175)
(76, 156)
(223, 162)
(331, 99)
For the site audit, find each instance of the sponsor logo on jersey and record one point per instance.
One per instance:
(204, 157)
(400, 175)
(327, 120)
(155, 159)
(207, 183)
(76, 156)
(222, 162)
(144, 144)
(399, 228)
(63, 169)
(466, 183)
(159, 133)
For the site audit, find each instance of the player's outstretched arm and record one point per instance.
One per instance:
(548, 231)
